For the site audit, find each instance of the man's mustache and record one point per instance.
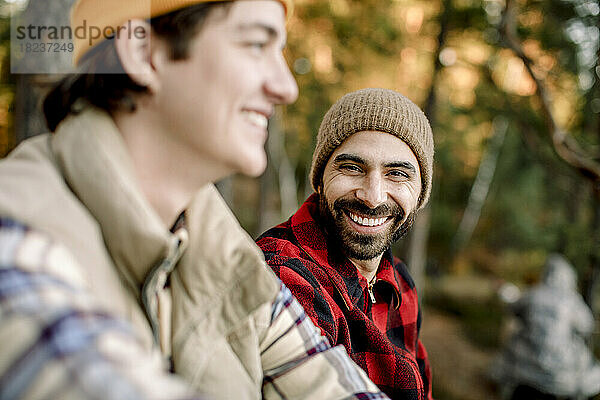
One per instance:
(358, 207)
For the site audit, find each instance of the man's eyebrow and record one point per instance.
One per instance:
(401, 164)
(271, 31)
(348, 157)
(340, 158)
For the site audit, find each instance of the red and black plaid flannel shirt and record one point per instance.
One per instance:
(381, 337)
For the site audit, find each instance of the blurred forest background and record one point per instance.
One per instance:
(512, 89)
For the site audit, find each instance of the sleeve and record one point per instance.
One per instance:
(55, 343)
(299, 363)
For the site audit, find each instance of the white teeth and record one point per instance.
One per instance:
(257, 119)
(367, 221)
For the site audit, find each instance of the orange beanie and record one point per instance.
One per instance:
(99, 19)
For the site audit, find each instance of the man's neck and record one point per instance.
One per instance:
(367, 268)
(167, 174)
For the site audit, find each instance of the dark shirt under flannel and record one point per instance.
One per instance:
(381, 337)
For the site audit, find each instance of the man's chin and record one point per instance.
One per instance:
(361, 254)
(359, 245)
(255, 166)
(362, 246)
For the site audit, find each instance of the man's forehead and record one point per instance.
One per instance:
(378, 145)
(248, 15)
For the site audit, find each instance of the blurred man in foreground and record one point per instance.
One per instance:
(123, 274)
(371, 171)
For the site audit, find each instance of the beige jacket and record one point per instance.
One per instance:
(214, 318)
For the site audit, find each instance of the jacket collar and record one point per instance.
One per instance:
(221, 260)
(97, 167)
(311, 237)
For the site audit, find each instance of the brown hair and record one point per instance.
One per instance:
(101, 80)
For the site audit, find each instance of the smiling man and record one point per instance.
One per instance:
(371, 171)
(123, 274)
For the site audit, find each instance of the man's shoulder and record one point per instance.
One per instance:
(283, 252)
(30, 183)
(33, 192)
(279, 241)
(281, 232)
(29, 159)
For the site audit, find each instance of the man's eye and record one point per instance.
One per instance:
(350, 168)
(397, 174)
(257, 46)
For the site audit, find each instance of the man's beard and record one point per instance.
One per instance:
(356, 245)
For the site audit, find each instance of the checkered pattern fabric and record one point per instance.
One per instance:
(289, 316)
(56, 343)
(381, 337)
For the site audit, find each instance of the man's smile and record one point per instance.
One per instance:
(365, 220)
(367, 225)
(257, 119)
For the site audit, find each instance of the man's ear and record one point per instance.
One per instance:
(132, 43)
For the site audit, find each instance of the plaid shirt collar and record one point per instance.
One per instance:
(310, 233)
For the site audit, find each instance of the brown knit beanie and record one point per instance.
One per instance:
(380, 110)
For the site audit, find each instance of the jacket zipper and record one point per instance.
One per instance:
(157, 278)
(370, 289)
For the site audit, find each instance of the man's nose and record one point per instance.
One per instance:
(280, 84)
(372, 192)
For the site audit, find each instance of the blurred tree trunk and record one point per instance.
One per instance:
(280, 174)
(592, 285)
(225, 188)
(591, 279)
(286, 177)
(481, 185)
(417, 248)
(565, 145)
(31, 88)
(29, 93)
